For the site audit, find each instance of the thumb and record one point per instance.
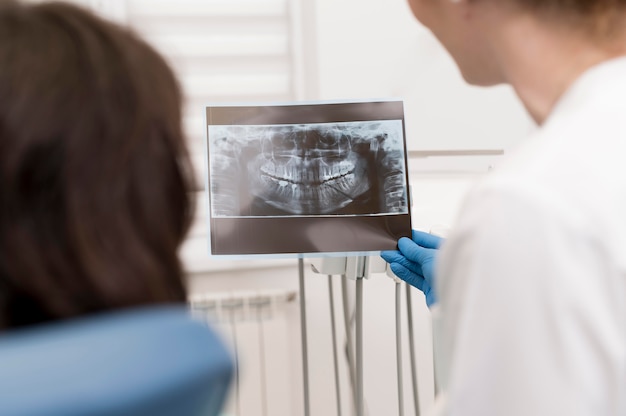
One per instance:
(414, 252)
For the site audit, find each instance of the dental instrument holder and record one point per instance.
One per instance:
(355, 268)
(358, 268)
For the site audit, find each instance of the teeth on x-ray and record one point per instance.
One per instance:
(311, 169)
(308, 169)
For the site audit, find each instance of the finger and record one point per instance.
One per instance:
(409, 277)
(414, 252)
(390, 255)
(426, 240)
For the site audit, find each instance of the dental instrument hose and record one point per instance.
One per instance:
(409, 312)
(399, 347)
(359, 347)
(350, 346)
(331, 296)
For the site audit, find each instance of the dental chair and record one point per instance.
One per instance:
(152, 361)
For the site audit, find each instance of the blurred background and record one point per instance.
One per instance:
(255, 51)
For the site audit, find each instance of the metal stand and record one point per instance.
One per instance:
(305, 353)
(354, 268)
(359, 268)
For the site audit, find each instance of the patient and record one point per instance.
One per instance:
(94, 173)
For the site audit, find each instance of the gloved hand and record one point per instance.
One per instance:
(414, 262)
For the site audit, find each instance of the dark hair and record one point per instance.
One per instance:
(95, 178)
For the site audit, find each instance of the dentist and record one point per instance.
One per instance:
(528, 293)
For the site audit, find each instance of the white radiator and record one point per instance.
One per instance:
(257, 327)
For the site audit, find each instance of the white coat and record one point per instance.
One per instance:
(532, 282)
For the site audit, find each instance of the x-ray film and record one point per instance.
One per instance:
(307, 178)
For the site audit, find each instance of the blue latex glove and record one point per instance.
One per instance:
(414, 262)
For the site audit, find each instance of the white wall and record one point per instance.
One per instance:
(376, 48)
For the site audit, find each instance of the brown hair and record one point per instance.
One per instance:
(94, 173)
(599, 17)
(584, 7)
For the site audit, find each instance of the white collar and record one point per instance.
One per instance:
(608, 75)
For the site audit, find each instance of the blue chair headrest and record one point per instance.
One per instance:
(154, 361)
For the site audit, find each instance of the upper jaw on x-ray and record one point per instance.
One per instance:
(308, 169)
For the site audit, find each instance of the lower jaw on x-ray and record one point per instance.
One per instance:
(344, 168)
(308, 186)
